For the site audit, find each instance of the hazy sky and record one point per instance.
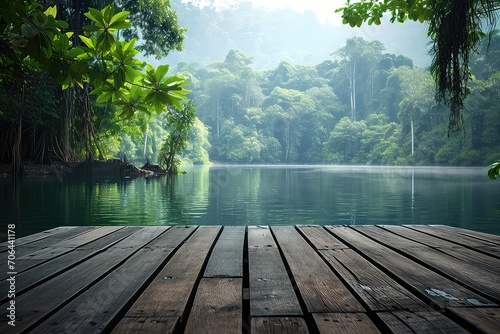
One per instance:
(409, 39)
(324, 9)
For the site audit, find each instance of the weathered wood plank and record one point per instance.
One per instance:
(320, 238)
(378, 291)
(157, 325)
(154, 280)
(278, 325)
(427, 284)
(404, 322)
(260, 237)
(217, 307)
(492, 238)
(320, 288)
(170, 290)
(37, 303)
(35, 237)
(460, 271)
(486, 320)
(468, 255)
(50, 241)
(226, 259)
(271, 291)
(36, 275)
(97, 309)
(344, 323)
(68, 245)
(466, 240)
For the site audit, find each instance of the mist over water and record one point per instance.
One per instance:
(262, 195)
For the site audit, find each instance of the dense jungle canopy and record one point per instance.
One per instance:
(360, 105)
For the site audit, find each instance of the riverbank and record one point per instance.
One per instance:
(115, 167)
(32, 169)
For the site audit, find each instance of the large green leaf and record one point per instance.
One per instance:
(121, 16)
(89, 42)
(494, 170)
(96, 16)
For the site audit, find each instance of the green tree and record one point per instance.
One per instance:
(179, 124)
(344, 143)
(456, 29)
(156, 24)
(418, 91)
(380, 141)
(103, 65)
(196, 151)
(286, 108)
(360, 59)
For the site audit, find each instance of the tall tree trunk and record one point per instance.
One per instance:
(145, 142)
(67, 126)
(218, 116)
(16, 164)
(412, 136)
(353, 92)
(287, 138)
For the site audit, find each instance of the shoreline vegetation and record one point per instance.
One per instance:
(108, 168)
(119, 168)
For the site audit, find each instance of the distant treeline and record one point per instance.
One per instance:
(362, 106)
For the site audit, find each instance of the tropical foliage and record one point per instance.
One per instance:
(455, 26)
(363, 106)
(101, 68)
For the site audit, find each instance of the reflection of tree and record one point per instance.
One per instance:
(176, 208)
(185, 196)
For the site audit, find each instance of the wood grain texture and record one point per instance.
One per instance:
(169, 292)
(49, 296)
(344, 323)
(66, 246)
(469, 238)
(217, 307)
(399, 279)
(460, 271)
(468, 255)
(320, 238)
(430, 322)
(377, 290)
(429, 285)
(43, 271)
(98, 307)
(481, 319)
(144, 325)
(271, 291)
(52, 241)
(35, 237)
(491, 238)
(226, 259)
(320, 288)
(278, 325)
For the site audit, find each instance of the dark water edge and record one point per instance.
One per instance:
(259, 195)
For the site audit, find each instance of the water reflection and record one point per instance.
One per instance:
(260, 195)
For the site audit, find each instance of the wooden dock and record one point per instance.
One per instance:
(236, 279)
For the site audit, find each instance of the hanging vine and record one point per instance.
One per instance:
(456, 28)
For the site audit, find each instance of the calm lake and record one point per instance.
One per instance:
(260, 195)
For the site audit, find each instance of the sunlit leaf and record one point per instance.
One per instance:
(161, 71)
(120, 25)
(121, 16)
(88, 42)
(52, 11)
(95, 15)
